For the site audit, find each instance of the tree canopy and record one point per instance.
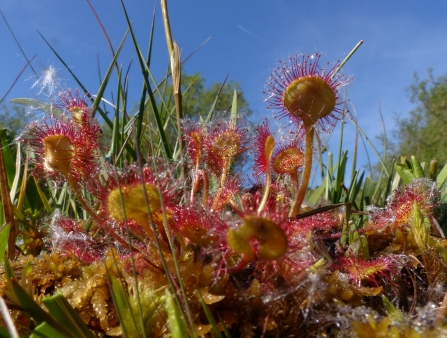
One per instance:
(424, 132)
(13, 117)
(197, 101)
(199, 98)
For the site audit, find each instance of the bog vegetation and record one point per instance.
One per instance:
(143, 226)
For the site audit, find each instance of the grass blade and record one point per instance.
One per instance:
(4, 235)
(36, 104)
(45, 330)
(211, 112)
(123, 307)
(8, 209)
(357, 46)
(210, 317)
(95, 105)
(15, 81)
(140, 114)
(8, 319)
(176, 322)
(385, 169)
(442, 177)
(64, 313)
(145, 72)
(30, 306)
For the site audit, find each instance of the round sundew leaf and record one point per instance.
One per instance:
(58, 152)
(134, 201)
(276, 246)
(310, 99)
(227, 144)
(210, 298)
(239, 239)
(77, 114)
(272, 239)
(288, 161)
(198, 235)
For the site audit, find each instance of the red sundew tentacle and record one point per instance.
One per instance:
(264, 143)
(200, 227)
(81, 113)
(206, 188)
(68, 236)
(123, 197)
(399, 208)
(372, 270)
(264, 147)
(224, 194)
(297, 68)
(61, 148)
(222, 144)
(73, 104)
(194, 135)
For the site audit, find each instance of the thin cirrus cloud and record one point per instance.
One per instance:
(245, 30)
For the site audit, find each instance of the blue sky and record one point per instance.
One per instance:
(247, 39)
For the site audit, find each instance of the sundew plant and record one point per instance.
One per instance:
(143, 225)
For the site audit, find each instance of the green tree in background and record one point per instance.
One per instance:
(197, 101)
(424, 132)
(198, 98)
(13, 117)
